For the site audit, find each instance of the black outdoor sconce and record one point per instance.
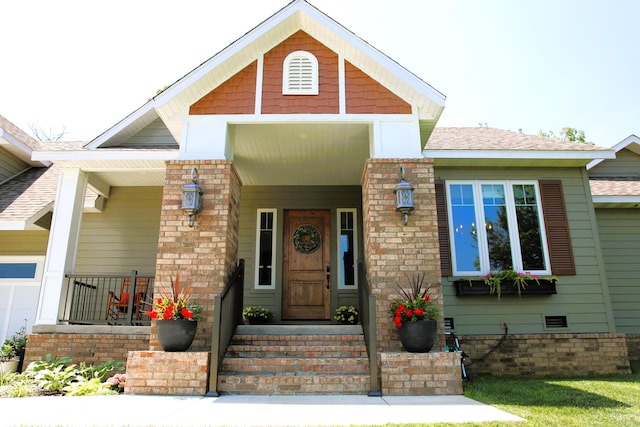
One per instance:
(192, 198)
(404, 197)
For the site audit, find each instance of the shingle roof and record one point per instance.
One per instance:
(482, 138)
(18, 133)
(28, 194)
(618, 186)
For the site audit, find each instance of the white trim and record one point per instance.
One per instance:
(628, 141)
(259, 84)
(110, 154)
(616, 199)
(303, 66)
(517, 154)
(274, 231)
(353, 211)
(483, 249)
(342, 86)
(21, 259)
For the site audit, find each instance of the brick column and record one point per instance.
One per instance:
(207, 253)
(394, 251)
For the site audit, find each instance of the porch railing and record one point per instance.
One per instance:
(227, 314)
(99, 299)
(367, 304)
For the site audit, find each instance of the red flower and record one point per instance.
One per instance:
(398, 321)
(427, 298)
(152, 314)
(186, 313)
(168, 314)
(408, 313)
(418, 312)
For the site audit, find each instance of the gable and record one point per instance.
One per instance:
(364, 95)
(626, 163)
(235, 96)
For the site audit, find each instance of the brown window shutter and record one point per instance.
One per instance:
(557, 227)
(443, 229)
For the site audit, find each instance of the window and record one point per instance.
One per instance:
(300, 74)
(265, 275)
(347, 249)
(496, 225)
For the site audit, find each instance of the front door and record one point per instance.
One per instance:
(306, 288)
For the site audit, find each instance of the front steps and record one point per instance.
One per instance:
(295, 359)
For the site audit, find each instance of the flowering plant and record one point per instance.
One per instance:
(258, 313)
(520, 280)
(175, 305)
(117, 382)
(347, 314)
(414, 304)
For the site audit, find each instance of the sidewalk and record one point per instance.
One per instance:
(233, 410)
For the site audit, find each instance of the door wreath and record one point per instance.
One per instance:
(306, 238)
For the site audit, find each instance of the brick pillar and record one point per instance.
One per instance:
(207, 253)
(393, 251)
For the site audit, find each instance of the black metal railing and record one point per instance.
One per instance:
(99, 299)
(367, 304)
(227, 314)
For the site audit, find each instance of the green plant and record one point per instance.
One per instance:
(18, 385)
(257, 313)
(414, 304)
(176, 304)
(7, 352)
(53, 376)
(346, 314)
(117, 382)
(91, 387)
(101, 371)
(520, 280)
(19, 339)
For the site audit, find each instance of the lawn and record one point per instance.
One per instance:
(606, 401)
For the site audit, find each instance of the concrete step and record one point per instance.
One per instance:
(290, 384)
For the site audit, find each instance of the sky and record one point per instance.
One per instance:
(528, 65)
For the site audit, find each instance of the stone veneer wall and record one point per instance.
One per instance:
(633, 344)
(206, 254)
(89, 344)
(420, 374)
(547, 355)
(394, 251)
(167, 373)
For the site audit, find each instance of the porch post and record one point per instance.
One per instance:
(63, 244)
(394, 251)
(206, 254)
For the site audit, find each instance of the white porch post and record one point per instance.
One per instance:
(63, 243)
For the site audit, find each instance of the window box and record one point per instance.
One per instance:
(479, 287)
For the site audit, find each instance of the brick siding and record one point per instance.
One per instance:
(167, 373)
(420, 374)
(547, 354)
(90, 348)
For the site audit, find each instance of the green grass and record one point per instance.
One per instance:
(583, 402)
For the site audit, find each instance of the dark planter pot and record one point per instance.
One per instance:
(419, 336)
(507, 287)
(176, 335)
(257, 321)
(346, 322)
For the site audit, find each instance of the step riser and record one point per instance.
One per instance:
(300, 363)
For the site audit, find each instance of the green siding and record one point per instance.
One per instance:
(618, 229)
(581, 297)
(626, 163)
(283, 198)
(124, 236)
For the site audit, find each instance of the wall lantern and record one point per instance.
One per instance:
(404, 197)
(192, 197)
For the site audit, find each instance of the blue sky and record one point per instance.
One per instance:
(526, 64)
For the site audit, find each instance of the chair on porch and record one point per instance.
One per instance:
(118, 305)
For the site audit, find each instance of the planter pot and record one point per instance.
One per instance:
(9, 366)
(176, 335)
(507, 287)
(419, 336)
(346, 322)
(257, 321)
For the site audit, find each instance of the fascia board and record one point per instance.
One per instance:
(107, 154)
(517, 154)
(616, 199)
(628, 141)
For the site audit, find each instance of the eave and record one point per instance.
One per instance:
(515, 158)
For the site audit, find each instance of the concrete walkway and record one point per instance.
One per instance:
(230, 410)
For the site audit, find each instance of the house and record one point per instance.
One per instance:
(300, 128)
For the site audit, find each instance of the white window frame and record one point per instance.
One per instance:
(514, 239)
(307, 59)
(354, 212)
(256, 281)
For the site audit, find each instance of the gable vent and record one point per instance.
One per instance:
(300, 74)
(555, 321)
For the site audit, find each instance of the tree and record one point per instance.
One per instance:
(47, 135)
(568, 134)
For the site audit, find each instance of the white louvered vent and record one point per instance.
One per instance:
(300, 76)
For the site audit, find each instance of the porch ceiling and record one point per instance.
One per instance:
(300, 153)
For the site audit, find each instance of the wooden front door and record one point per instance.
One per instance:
(306, 288)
